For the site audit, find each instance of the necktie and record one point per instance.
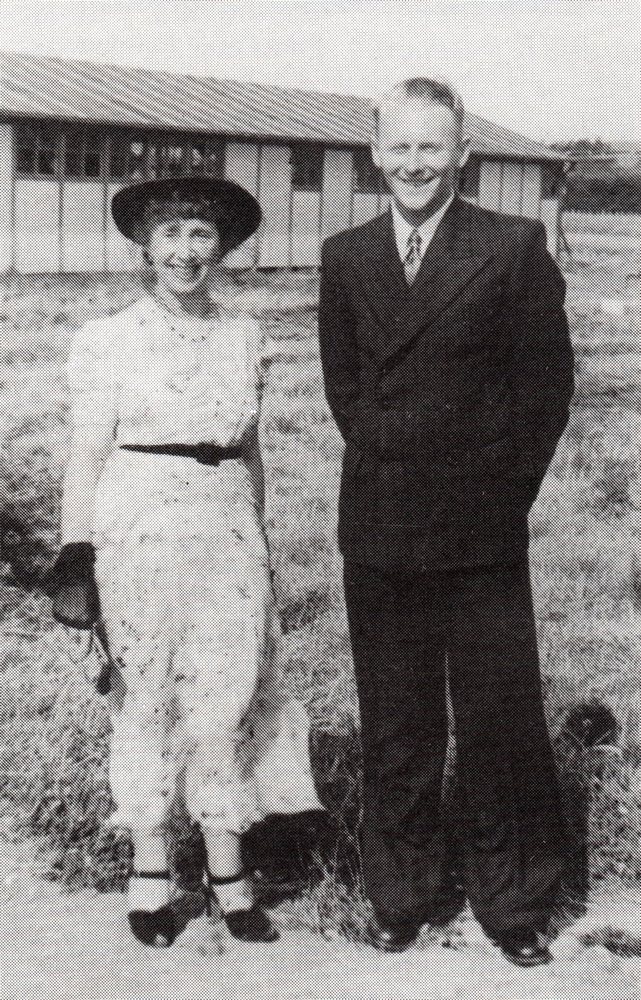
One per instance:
(412, 260)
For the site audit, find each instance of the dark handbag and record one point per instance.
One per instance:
(72, 586)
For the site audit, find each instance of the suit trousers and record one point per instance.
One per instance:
(413, 634)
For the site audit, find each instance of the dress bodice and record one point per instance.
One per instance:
(160, 379)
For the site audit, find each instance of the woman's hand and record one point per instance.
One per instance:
(73, 587)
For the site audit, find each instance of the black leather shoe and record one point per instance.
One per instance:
(392, 936)
(251, 925)
(153, 927)
(523, 946)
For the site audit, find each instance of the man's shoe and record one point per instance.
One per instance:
(523, 946)
(392, 936)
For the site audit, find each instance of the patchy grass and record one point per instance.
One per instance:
(587, 583)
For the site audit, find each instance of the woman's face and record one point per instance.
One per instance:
(183, 253)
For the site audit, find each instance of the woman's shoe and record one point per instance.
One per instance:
(251, 924)
(153, 927)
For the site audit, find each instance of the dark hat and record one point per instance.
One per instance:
(234, 211)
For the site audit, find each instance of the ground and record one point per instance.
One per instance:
(57, 944)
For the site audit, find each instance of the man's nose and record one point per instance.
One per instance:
(413, 162)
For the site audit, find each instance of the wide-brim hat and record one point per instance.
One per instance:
(233, 210)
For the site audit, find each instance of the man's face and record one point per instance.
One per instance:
(419, 150)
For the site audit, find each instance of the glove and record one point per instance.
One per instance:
(73, 588)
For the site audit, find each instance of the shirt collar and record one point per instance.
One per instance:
(402, 229)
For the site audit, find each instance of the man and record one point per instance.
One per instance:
(448, 368)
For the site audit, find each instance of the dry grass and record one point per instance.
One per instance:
(585, 531)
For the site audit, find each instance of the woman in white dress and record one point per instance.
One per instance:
(164, 547)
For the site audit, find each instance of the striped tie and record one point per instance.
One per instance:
(413, 258)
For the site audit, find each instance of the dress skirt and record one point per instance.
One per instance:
(197, 703)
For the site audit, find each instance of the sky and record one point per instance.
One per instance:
(550, 70)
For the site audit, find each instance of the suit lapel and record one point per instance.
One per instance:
(449, 264)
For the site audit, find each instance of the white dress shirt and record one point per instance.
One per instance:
(426, 230)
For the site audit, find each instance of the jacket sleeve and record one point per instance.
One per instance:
(337, 341)
(542, 369)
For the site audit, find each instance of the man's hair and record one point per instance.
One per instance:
(423, 88)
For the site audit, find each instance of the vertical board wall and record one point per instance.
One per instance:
(83, 226)
(37, 208)
(337, 191)
(275, 193)
(7, 233)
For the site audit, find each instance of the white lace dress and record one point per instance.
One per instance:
(182, 567)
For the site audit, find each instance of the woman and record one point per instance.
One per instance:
(164, 547)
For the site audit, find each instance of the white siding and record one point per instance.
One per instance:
(531, 200)
(6, 197)
(37, 226)
(490, 184)
(305, 245)
(551, 220)
(241, 165)
(275, 190)
(511, 188)
(337, 191)
(83, 226)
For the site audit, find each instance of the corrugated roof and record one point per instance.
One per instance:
(69, 90)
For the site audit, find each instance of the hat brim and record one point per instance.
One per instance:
(234, 211)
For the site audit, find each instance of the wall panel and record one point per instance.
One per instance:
(531, 200)
(275, 191)
(337, 191)
(6, 197)
(83, 226)
(551, 219)
(241, 165)
(37, 207)
(306, 229)
(511, 188)
(490, 183)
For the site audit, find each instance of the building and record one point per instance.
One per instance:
(72, 133)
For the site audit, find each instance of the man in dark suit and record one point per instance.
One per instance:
(448, 368)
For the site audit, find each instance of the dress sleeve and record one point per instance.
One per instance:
(92, 374)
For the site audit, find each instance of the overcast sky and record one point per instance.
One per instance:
(547, 69)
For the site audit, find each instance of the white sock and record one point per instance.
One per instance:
(147, 893)
(235, 895)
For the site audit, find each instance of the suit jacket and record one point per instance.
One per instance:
(451, 394)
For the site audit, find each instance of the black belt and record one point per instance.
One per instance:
(206, 454)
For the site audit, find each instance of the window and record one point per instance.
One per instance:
(38, 150)
(206, 157)
(367, 177)
(551, 180)
(307, 167)
(127, 160)
(83, 154)
(148, 157)
(469, 178)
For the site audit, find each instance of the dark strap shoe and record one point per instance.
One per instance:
(251, 925)
(523, 946)
(388, 936)
(155, 928)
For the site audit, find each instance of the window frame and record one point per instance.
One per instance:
(374, 181)
(318, 150)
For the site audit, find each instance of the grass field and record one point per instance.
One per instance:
(586, 573)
